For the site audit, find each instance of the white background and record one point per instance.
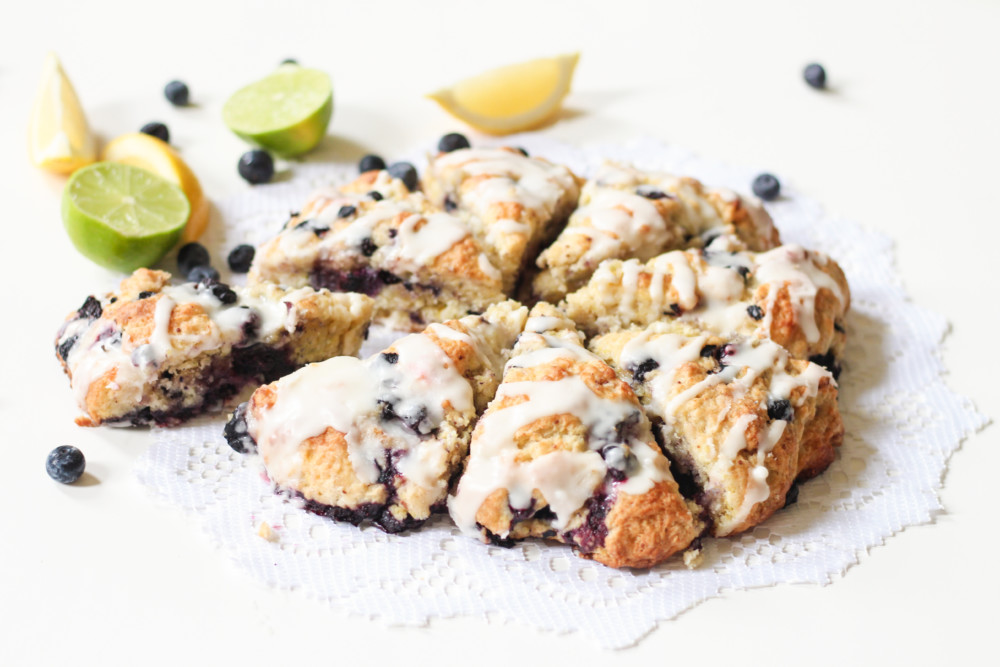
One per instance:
(906, 142)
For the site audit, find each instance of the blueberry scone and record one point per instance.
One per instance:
(626, 213)
(515, 203)
(380, 439)
(565, 452)
(154, 353)
(739, 418)
(793, 296)
(373, 236)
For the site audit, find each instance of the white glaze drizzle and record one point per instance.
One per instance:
(798, 268)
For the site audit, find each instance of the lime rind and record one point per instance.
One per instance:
(123, 217)
(286, 112)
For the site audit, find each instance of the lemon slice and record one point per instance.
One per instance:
(152, 154)
(286, 112)
(512, 98)
(123, 217)
(59, 139)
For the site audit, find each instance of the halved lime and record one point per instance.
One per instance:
(123, 217)
(286, 112)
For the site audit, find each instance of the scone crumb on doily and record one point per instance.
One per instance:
(266, 532)
(692, 557)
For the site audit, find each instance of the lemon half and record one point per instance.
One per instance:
(512, 98)
(59, 138)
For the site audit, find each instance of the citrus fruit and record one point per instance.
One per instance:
(512, 98)
(149, 153)
(59, 138)
(286, 112)
(123, 217)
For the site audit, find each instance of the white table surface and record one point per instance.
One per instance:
(906, 142)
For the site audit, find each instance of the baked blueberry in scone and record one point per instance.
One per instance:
(626, 213)
(796, 297)
(516, 204)
(565, 452)
(420, 264)
(380, 439)
(153, 353)
(739, 418)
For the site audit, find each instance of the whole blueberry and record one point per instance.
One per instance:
(177, 93)
(191, 255)
(203, 274)
(405, 172)
(371, 163)
(452, 142)
(65, 464)
(767, 187)
(240, 258)
(346, 211)
(223, 293)
(156, 129)
(815, 76)
(256, 166)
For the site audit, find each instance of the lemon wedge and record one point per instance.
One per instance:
(512, 98)
(149, 153)
(59, 138)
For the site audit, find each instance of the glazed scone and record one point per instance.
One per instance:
(516, 204)
(153, 353)
(418, 263)
(380, 440)
(626, 213)
(564, 452)
(796, 297)
(739, 418)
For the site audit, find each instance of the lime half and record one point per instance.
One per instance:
(286, 113)
(123, 217)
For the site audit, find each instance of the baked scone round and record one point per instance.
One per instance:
(380, 440)
(155, 353)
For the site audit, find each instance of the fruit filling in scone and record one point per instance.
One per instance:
(374, 236)
(626, 213)
(564, 452)
(380, 440)
(155, 353)
(739, 418)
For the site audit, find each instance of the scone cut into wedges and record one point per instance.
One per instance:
(381, 439)
(419, 263)
(565, 452)
(627, 213)
(796, 297)
(156, 353)
(740, 419)
(516, 204)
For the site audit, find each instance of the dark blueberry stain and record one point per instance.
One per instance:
(754, 311)
(390, 357)
(827, 361)
(780, 408)
(346, 211)
(368, 247)
(644, 368)
(91, 309)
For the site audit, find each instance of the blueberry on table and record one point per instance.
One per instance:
(767, 187)
(203, 274)
(405, 172)
(256, 166)
(371, 163)
(156, 129)
(815, 76)
(177, 93)
(452, 142)
(240, 258)
(191, 255)
(65, 464)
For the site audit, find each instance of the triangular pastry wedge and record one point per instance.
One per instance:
(380, 439)
(565, 452)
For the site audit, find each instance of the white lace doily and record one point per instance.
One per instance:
(901, 419)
